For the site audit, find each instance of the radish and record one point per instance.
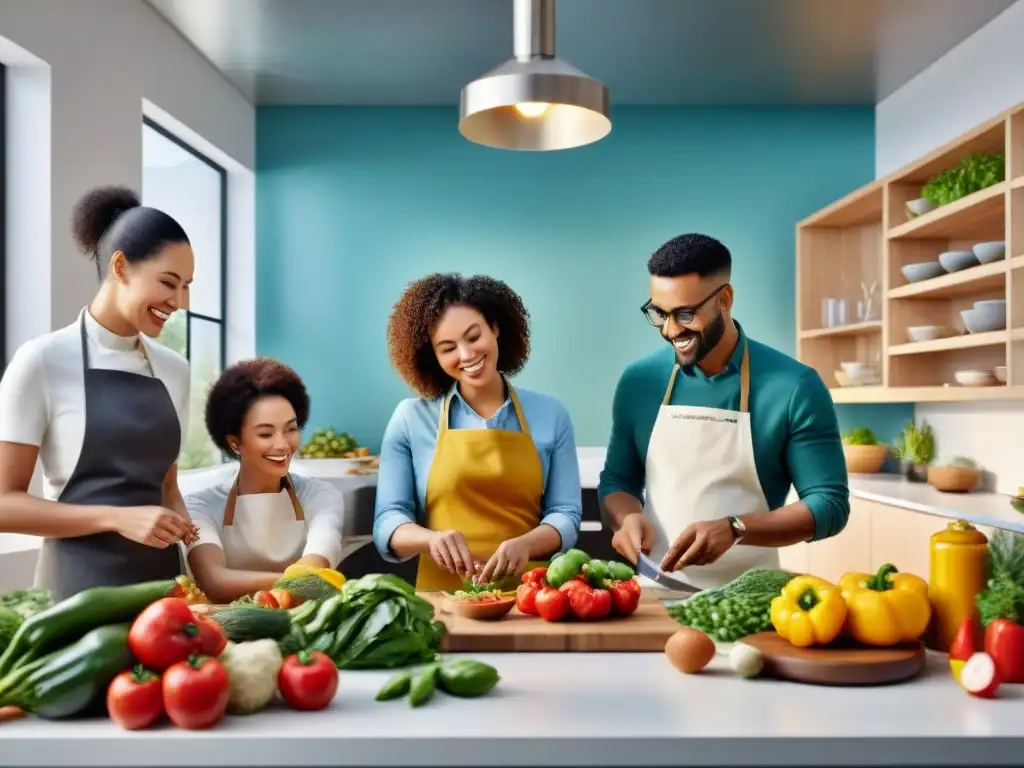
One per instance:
(979, 676)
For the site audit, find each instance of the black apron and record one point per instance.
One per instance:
(132, 438)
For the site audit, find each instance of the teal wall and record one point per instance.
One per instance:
(353, 203)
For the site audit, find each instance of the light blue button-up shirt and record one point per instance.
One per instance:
(408, 451)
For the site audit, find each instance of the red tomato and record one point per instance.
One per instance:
(552, 604)
(212, 640)
(1004, 642)
(965, 644)
(195, 692)
(591, 603)
(624, 599)
(164, 633)
(535, 576)
(526, 598)
(308, 680)
(575, 583)
(135, 699)
(633, 586)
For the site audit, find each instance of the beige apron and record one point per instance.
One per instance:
(700, 466)
(270, 535)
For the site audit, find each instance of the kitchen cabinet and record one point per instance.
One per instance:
(874, 535)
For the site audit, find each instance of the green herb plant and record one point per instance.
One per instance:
(860, 436)
(972, 174)
(916, 445)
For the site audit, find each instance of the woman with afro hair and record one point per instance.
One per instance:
(476, 477)
(262, 519)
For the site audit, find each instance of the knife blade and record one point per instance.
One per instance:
(647, 568)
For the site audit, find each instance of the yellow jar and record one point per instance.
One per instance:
(958, 571)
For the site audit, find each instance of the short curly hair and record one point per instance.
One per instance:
(420, 308)
(241, 385)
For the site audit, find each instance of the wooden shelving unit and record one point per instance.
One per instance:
(854, 304)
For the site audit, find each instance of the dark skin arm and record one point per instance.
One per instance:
(222, 584)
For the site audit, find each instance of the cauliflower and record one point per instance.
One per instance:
(252, 671)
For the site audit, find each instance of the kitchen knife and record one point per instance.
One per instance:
(647, 568)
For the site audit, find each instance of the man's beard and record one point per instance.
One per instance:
(705, 341)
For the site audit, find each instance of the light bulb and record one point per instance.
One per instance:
(532, 108)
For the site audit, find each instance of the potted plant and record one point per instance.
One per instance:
(915, 449)
(959, 475)
(864, 454)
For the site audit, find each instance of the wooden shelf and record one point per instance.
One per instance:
(967, 341)
(971, 216)
(852, 329)
(864, 240)
(951, 394)
(963, 283)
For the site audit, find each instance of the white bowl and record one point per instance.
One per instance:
(919, 207)
(855, 369)
(975, 378)
(1000, 372)
(929, 332)
(869, 379)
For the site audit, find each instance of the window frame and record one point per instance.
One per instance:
(222, 173)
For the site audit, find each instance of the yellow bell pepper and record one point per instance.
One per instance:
(298, 571)
(810, 611)
(332, 577)
(886, 608)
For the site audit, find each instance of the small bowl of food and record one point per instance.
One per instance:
(483, 603)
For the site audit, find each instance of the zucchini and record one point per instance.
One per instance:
(241, 622)
(308, 587)
(70, 619)
(73, 680)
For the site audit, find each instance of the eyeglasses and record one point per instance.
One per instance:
(682, 315)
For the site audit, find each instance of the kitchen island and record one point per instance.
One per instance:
(573, 710)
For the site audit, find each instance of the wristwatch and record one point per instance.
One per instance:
(739, 530)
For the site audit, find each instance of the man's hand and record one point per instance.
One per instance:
(699, 544)
(635, 535)
(509, 560)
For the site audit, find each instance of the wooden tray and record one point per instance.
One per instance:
(647, 630)
(841, 663)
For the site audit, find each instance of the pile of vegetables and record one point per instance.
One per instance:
(740, 608)
(575, 585)
(882, 609)
(990, 651)
(972, 174)
(375, 622)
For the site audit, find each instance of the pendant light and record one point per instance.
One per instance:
(534, 101)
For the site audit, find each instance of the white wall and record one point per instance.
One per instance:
(981, 77)
(81, 75)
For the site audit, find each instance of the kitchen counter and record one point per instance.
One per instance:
(983, 508)
(576, 709)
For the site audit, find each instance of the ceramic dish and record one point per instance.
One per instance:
(866, 380)
(923, 270)
(985, 318)
(954, 261)
(481, 610)
(988, 252)
(929, 332)
(919, 207)
(975, 378)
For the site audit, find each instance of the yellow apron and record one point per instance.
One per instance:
(485, 483)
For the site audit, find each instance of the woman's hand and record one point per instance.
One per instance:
(449, 550)
(155, 527)
(509, 560)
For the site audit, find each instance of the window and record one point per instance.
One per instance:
(189, 186)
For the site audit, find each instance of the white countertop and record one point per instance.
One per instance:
(576, 709)
(979, 508)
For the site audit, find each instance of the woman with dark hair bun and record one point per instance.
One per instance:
(105, 410)
(262, 519)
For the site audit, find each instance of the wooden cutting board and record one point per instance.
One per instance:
(647, 630)
(839, 663)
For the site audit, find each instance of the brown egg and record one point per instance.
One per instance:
(690, 650)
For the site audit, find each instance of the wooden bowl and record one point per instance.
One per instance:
(865, 459)
(954, 479)
(481, 611)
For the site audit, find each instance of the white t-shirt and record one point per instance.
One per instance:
(323, 507)
(42, 394)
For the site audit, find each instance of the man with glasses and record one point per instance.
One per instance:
(709, 434)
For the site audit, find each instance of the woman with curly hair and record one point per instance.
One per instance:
(262, 519)
(480, 477)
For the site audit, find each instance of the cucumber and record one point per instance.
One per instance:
(72, 680)
(241, 623)
(325, 617)
(70, 619)
(302, 614)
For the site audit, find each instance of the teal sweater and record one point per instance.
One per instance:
(795, 430)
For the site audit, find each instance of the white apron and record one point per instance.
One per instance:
(700, 466)
(269, 534)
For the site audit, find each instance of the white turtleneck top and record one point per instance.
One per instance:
(42, 394)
